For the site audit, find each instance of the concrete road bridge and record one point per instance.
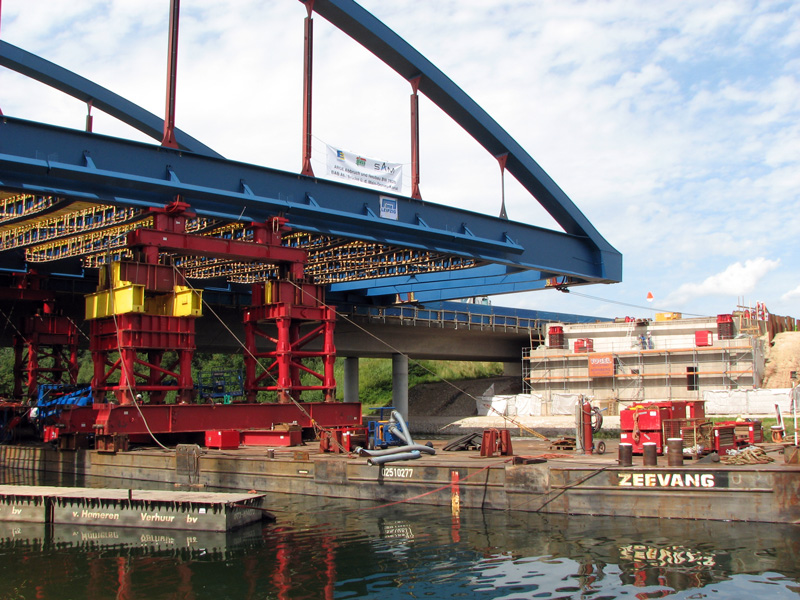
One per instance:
(142, 240)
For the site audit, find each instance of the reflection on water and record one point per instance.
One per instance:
(334, 549)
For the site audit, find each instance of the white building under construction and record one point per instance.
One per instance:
(641, 360)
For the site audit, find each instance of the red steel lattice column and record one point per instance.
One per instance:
(130, 334)
(44, 339)
(296, 324)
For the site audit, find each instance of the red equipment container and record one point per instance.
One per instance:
(272, 437)
(654, 437)
(725, 327)
(656, 421)
(688, 409)
(695, 409)
(745, 432)
(584, 345)
(750, 431)
(222, 439)
(646, 417)
(702, 338)
(724, 437)
(555, 337)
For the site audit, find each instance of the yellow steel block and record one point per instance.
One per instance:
(186, 302)
(157, 305)
(121, 300)
(668, 316)
(116, 282)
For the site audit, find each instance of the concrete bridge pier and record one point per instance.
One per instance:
(400, 384)
(512, 369)
(351, 379)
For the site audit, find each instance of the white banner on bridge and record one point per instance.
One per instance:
(355, 167)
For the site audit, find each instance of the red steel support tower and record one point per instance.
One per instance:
(298, 316)
(45, 344)
(145, 309)
(131, 335)
(131, 320)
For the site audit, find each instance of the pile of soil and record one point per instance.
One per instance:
(782, 358)
(457, 398)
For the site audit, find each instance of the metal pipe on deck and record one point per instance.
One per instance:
(392, 427)
(403, 433)
(396, 450)
(381, 460)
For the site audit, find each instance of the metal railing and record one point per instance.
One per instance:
(444, 319)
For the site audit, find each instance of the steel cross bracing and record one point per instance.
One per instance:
(434, 251)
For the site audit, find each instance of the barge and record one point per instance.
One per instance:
(535, 479)
(140, 509)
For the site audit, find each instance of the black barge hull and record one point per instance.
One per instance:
(555, 484)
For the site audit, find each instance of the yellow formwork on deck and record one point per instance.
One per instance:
(126, 297)
(109, 276)
(182, 302)
(186, 302)
(118, 301)
(668, 316)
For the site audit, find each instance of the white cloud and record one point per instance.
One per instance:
(673, 126)
(738, 279)
(791, 295)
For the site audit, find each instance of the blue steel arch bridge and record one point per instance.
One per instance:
(135, 233)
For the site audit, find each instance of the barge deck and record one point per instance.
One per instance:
(141, 509)
(537, 479)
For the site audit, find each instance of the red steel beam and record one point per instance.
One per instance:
(44, 336)
(415, 193)
(132, 333)
(25, 295)
(186, 418)
(172, 76)
(155, 278)
(308, 60)
(194, 245)
(502, 159)
(89, 118)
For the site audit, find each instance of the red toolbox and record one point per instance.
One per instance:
(724, 437)
(745, 432)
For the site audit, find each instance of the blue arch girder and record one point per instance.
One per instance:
(395, 52)
(463, 283)
(78, 87)
(43, 159)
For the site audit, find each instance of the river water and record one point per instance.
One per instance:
(331, 548)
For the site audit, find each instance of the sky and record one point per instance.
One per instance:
(674, 126)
